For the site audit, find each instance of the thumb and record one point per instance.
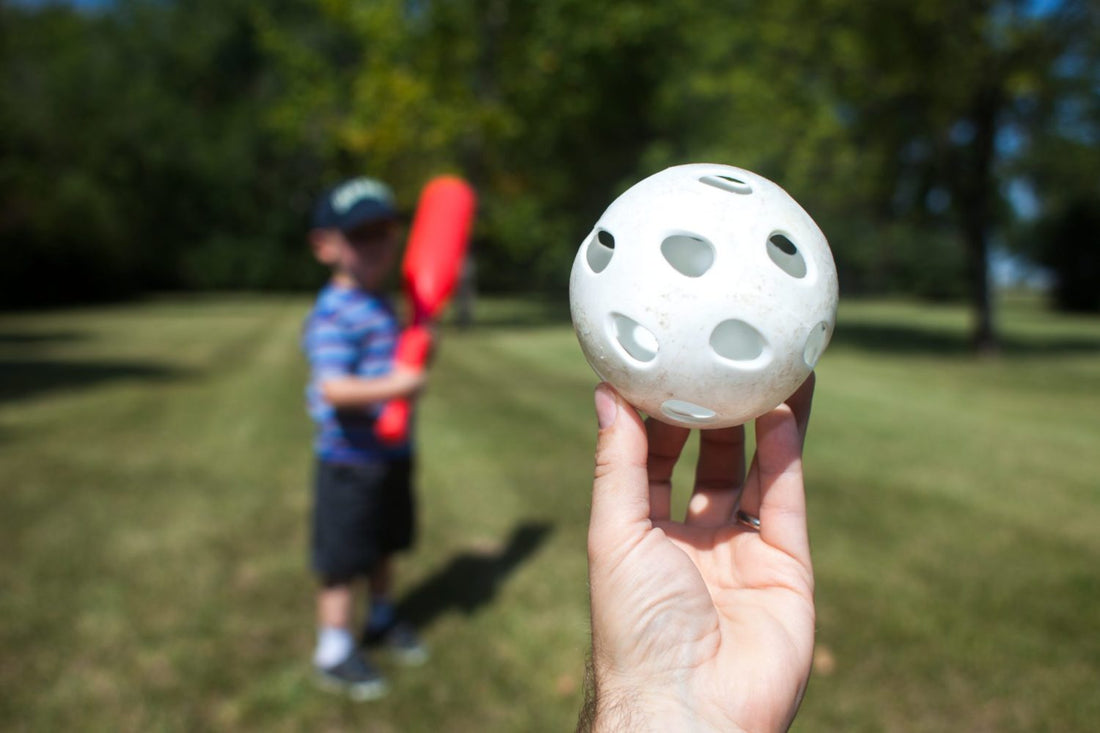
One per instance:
(620, 490)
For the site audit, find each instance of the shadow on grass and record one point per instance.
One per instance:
(21, 338)
(24, 374)
(470, 580)
(906, 340)
(23, 378)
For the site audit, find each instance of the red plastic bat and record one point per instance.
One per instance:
(430, 270)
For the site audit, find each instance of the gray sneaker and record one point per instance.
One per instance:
(356, 677)
(401, 641)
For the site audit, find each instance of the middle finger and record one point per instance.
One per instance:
(719, 476)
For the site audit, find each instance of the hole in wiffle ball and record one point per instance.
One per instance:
(688, 255)
(737, 341)
(728, 183)
(636, 340)
(685, 411)
(600, 249)
(785, 254)
(815, 344)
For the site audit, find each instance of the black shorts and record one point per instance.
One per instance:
(361, 513)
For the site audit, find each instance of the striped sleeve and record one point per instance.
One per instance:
(333, 350)
(357, 339)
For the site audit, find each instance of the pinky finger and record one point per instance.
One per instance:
(778, 466)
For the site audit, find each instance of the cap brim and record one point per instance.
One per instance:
(366, 212)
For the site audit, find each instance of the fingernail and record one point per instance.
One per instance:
(607, 408)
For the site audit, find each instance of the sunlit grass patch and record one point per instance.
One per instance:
(155, 466)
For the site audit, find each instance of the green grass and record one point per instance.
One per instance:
(154, 466)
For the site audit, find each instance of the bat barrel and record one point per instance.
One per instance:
(437, 246)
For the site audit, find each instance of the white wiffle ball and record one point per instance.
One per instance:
(705, 295)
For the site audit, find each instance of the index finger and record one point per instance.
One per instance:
(800, 403)
(666, 443)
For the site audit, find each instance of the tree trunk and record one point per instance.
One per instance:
(975, 187)
(983, 336)
(467, 291)
(492, 17)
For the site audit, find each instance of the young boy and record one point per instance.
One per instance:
(363, 499)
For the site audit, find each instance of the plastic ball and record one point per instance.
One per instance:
(705, 295)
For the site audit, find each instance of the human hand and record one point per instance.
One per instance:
(353, 392)
(408, 382)
(705, 624)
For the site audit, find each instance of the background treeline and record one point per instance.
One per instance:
(152, 144)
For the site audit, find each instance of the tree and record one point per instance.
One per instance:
(954, 97)
(137, 157)
(1073, 252)
(885, 115)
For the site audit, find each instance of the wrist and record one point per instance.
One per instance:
(638, 711)
(648, 705)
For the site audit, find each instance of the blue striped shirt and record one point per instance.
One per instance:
(349, 332)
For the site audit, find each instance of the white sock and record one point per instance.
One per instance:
(333, 646)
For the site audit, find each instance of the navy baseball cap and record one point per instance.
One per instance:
(353, 203)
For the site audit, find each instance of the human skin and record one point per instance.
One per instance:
(705, 623)
(363, 258)
(336, 602)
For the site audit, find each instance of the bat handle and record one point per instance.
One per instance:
(392, 426)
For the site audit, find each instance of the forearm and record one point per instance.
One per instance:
(358, 392)
(602, 715)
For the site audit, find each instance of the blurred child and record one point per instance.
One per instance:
(364, 508)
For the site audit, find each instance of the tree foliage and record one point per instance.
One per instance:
(137, 156)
